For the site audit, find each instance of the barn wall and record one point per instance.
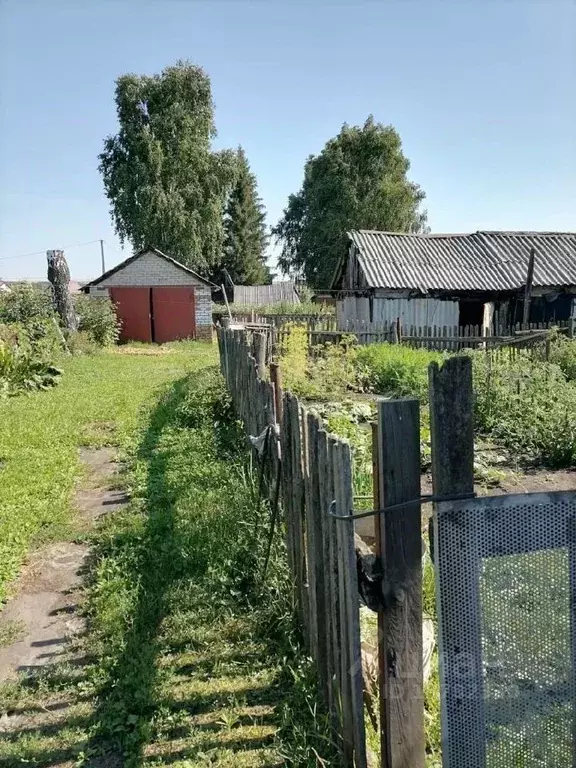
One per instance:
(419, 312)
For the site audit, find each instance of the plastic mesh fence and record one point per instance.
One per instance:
(506, 588)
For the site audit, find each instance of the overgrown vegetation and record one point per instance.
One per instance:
(327, 371)
(32, 341)
(524, 404)
(192, 657)
(394, 370)
(528, 405)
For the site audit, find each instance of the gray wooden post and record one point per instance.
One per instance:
(400, 547)
(457, 578)
(276, 379)
(260, 354)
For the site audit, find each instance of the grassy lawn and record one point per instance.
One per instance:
(190, 658)
(97, 403)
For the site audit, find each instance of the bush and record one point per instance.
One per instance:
(321, 373)
(563, 353)
(528, 406)
(97, 319)
(21, 369)
(395, 370)
(25, 303)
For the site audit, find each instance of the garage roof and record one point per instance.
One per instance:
(136, 256)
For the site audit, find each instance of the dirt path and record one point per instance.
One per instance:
(38, 622)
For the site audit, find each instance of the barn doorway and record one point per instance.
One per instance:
(470, 313)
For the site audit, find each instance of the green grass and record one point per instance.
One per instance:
(190, 659)
(97, 403)
(395, 370)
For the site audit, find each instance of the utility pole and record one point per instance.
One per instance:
(102, 255)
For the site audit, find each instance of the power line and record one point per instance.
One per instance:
(37, 253)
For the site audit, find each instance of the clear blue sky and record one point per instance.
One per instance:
(483, 93)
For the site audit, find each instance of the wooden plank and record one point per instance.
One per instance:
(345, 663)
(402, 735)
(326, 496)
(452, 434)
(298, 491)
(334, 576)
(317, 562)
(287, 485)
(309, 535)
(353, 671)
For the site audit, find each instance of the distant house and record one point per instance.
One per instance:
(262, 295)
(157, 298)
(455, 279)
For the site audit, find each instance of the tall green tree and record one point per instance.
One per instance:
(245, 236)
(166, 186)
(358, 181)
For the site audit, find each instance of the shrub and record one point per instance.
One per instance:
(321, 373)
(528, 406)
(21, 370)
(25, 303)
(563, 353)
(97, 319)
(395, 370)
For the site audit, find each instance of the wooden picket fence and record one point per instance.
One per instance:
(314, 469)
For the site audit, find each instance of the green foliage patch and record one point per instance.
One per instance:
(395, 370)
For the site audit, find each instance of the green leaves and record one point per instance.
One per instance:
(358, 181)
(165, 185)
(245, 230)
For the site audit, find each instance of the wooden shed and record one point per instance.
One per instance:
(157, 299)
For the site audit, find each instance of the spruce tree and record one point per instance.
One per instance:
(245, 236)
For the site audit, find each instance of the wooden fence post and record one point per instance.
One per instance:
(276, 379)
(400, 639)
(260, 354)
(353, 728)
(452, 433)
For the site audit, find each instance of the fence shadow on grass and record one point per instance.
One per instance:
(129, 699)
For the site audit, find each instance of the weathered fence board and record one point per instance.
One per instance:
(402, 695)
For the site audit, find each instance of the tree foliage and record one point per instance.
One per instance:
(245, 236)
(166, 186)
(358, 181)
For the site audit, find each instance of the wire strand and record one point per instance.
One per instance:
(36, 253)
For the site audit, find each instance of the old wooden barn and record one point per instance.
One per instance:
(455, 279)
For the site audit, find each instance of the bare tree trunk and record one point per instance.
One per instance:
(59, 277)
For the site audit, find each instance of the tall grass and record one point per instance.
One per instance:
(395, 370)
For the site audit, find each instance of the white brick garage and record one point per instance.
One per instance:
(157, 298)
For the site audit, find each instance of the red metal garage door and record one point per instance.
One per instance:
(174, 312)
(133, 310)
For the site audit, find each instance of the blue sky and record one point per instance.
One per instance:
(483, 93)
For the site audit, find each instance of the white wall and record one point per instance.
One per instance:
(418, 312)
(150, 269)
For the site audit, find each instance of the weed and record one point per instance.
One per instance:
(527, 406)
(395, 370)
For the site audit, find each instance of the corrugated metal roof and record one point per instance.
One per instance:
(480, 261)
